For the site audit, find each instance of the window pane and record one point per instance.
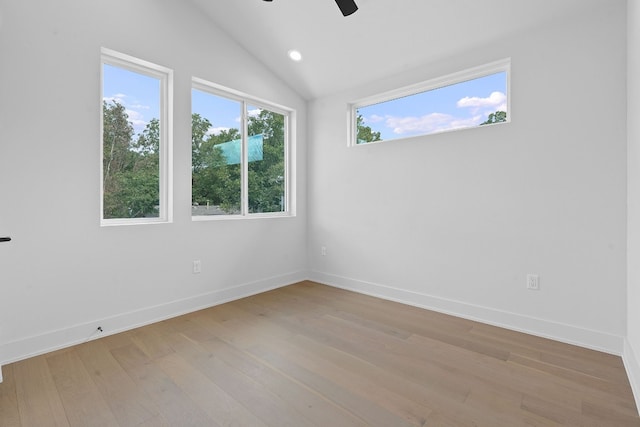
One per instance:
(266, 149)
(461, 105)
(131, 144)
(216, 160)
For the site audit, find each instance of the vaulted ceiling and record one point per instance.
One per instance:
(384, 37)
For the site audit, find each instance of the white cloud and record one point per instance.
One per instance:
(494, 100)
(134, 110)
(124, 99)
(250, 113)
(465, 123)
(140, 107)
(476, 111)
(118, 97)
(217, 130)
(136, 118)
(413, 125)
(502, 107)
(430, 123)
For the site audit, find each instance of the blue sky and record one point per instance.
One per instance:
(457, 106)
(223, 113)
(139, 94)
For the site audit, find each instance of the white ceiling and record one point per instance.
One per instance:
(382, 38)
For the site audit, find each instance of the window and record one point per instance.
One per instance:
(475, 97)
(239, 154)
(136, 140)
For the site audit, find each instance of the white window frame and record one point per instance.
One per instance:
(503, 65)
(165, 75)
(289, 150)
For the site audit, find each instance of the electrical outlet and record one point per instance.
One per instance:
(197, 266)
(323, 251)
(533, 282)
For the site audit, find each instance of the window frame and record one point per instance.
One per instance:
(289, 150)
(165, 173)
(499, 66)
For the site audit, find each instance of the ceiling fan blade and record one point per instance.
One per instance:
(347, 7)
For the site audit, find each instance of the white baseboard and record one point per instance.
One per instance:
(632, 365)
(61, 338)
(544, 328)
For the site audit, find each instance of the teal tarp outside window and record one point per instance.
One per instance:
(231, 149)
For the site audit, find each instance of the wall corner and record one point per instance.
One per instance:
(632, 366)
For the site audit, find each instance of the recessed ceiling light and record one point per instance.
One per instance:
(295, 55)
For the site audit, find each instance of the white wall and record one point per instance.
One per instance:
(455, 221)
(63, 275)
(632, 349)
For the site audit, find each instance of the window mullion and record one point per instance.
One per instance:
(244, 156)
(287, 162)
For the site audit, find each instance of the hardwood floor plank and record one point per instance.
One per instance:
(122, 339)
(266, 406)
(556, 413)
(593, 384)
(150, 340)
(488, 373)
(312, 405)
(129, 404)
(604, 415)
(8, 399)
(428, 394)
(372, 324)
(173, 405)
(83, 403)
(361, 407)
(363, 386)
(510, 337)
(39, 402)
(218, 404)
(587, 367)
(244, 324)
(413, 318)
(374, 351)
(156, 421)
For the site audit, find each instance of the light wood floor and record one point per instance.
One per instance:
(311, 355)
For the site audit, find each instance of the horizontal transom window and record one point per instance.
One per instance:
(470, 98)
